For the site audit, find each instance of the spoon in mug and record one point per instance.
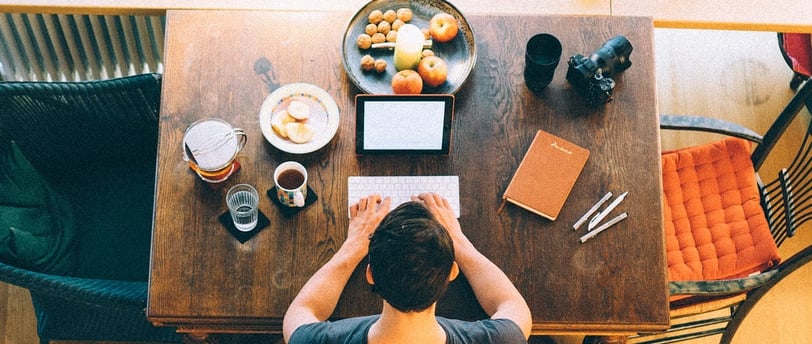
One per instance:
(189, 153)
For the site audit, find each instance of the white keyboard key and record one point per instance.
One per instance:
(401, 188)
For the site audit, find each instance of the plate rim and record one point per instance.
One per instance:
(333, 119)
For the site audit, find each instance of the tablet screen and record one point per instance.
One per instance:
(403, 124)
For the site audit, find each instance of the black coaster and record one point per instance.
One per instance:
(288, 211)
(242, 237)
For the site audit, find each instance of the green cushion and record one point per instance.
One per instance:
(36, 224)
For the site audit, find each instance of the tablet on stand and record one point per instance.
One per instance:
(403, 124)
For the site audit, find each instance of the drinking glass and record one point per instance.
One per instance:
(541, 59)
(243, 204)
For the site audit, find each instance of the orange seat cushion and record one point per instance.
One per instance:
(714, 225)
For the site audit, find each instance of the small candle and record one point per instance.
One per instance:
(408, 47)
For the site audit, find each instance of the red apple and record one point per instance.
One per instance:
(433, 70)
(407, 81)
(443, 27)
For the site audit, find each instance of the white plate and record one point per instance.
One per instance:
(323, 116)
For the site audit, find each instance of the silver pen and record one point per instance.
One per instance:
(603, 227)
(598, 218)
(591, 211)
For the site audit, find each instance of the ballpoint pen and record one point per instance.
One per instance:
(591, 211)
(598, 218)
(603, 227)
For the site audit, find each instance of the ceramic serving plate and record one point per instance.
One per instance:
(459, 53)
(323, 116)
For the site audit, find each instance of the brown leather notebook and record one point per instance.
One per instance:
(546, 175)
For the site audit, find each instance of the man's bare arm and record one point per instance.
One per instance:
(319, 296)
(495, 292)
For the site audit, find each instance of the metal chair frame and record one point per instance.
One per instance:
(787, 203)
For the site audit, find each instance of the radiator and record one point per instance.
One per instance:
(55, 47)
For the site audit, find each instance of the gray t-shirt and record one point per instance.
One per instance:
(355, 330)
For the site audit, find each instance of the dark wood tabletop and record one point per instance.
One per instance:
(202, 280)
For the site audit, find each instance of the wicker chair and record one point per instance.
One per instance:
(780, 203)
(95, 143)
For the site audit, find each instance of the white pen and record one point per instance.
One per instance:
(603, 227)
(598, 218)
(591, 211)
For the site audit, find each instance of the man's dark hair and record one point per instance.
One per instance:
(410, 258)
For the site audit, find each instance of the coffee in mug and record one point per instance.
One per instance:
(291, 179)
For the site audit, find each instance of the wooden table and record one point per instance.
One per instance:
(203, 281)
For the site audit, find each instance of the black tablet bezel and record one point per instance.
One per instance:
(448, 116)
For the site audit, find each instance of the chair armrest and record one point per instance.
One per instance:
(708, 124)
(88, 310)
(95, 292)
(73, 124)
(721, 287)
(730, 286)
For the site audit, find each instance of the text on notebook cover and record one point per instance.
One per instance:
(556, 146)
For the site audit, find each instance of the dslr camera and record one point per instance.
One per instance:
(591, 75)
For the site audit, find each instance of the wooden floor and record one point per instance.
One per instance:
(739, 76)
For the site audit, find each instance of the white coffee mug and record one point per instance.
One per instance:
(290, 178)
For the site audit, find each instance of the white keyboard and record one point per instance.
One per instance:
(401, 188)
